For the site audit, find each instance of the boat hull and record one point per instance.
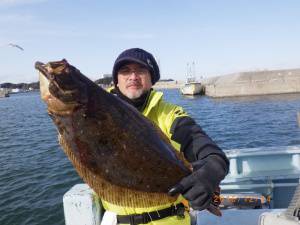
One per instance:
(192, 89)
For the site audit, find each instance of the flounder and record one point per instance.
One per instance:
(117, 151)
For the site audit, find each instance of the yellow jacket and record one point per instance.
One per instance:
(162, 114)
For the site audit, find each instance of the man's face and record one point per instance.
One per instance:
(134, 80)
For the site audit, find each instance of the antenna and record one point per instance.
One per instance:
(194, 70)
(187, 69)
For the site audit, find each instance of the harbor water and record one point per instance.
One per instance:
(35, 173)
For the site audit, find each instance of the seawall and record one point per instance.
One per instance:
(254, 83)
(168, 85)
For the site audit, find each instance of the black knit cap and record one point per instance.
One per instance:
(140, 56)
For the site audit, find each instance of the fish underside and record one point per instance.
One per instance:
(117, 151)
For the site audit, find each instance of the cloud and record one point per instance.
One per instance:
(19, 2)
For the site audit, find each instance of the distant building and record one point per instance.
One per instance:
(106, 75)
(4, 92)
(15, 90)
(106, 81)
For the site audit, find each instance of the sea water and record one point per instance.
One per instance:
(35, 173)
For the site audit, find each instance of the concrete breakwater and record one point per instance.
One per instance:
(168, 85)
(254, 83)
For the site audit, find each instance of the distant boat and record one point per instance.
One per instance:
(192, 88)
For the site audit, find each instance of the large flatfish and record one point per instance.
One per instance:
(117, 151)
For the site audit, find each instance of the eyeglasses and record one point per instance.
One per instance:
(140, 71)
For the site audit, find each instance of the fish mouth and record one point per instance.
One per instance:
(44, 80)
(41, 67)
(51, 69)
(58, 87)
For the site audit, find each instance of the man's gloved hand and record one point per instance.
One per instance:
(199, 186)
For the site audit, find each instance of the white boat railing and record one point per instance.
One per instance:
(245, 163)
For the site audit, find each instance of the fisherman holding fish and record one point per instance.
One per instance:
(145, 158)
(135, 71)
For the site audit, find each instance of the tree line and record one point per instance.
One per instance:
(23, 86)
(35, 85)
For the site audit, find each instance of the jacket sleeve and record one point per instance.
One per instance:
(195, 143)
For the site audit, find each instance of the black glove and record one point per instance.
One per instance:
(199, 186)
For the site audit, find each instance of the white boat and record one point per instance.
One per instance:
(192, 88)
(262, 188)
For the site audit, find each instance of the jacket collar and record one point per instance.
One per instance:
(154, 98)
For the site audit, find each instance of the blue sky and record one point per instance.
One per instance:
(219, 36)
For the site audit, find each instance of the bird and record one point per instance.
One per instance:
(16, 46)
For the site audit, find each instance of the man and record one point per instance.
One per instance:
(134, 73)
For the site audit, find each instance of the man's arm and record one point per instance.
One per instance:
(195, 143)
(210, 164)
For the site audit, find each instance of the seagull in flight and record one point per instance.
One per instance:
(16, 46)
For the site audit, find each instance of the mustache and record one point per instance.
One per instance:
(133, 83)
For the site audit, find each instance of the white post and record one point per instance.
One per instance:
(233, 167)
(81, 206)
(296, 161)
(246, 167)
